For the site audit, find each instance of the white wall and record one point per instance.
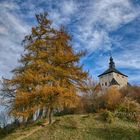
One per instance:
(106, 79)
(122, 80)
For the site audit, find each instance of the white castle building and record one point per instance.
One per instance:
(112, 77)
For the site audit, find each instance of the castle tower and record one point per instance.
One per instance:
(112, 77)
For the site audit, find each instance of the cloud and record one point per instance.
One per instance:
(102, 17)
(12, 31)
(63, 13)
(129, 58)
(68, 7)
(8, 5)
(91, 23)
(15, 23)
(111, 14)
(2, 30)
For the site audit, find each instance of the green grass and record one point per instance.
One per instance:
(81, 127)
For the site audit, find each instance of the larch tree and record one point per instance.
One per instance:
(49, 74)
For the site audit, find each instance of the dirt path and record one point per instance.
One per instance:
(31, 132)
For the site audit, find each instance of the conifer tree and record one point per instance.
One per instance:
(49, 74)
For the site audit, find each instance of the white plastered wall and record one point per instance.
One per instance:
(122, 80)
(106, 79)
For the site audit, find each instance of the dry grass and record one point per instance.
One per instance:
(80, 127)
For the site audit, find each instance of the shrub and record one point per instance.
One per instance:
(128, 109)
(110, 99)
(131, 92)
(40, 122)
(108, 116)
(87, 103)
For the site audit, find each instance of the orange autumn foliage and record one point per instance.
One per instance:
(49, 74)
(111, 98)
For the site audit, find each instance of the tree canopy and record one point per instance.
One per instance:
(49, 74)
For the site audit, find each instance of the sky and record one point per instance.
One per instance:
(97, 26)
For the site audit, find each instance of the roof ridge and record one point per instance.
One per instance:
(110, 70)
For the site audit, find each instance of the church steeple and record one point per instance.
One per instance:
(111, 63)
(111, 68)
(112, 77)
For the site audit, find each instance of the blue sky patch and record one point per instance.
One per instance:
(97, 26)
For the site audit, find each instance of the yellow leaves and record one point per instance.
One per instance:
(50, 90)
(49, 73)
(25, 104)
(29, 75)
(22, 98)
(34, 31)
(112, 97)
(43, 55)
(24, 113)
(39, 43)
(68, 97)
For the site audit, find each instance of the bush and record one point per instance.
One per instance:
(40, 122)
(108, 116)
(110, 99)
(65, 111)
(128, 109)
(93, 102)
(88, 103)
(10, 128)
(131, 92)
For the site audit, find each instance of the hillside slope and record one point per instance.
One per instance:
(78, 127)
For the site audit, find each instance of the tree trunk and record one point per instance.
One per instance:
(45, 112)
(40, 114)
(30, 119)
(50, 110)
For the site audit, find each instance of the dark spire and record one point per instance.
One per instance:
(111, 63)
(111, 68)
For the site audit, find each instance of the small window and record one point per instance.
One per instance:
(105, 83)
(122, 76)
(102, 84)
(117, 74)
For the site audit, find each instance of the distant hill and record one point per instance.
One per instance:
(78, 127)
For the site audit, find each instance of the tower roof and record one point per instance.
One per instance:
(111, 69)
(111, 63)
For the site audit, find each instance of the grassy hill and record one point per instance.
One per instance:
(78, 127)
